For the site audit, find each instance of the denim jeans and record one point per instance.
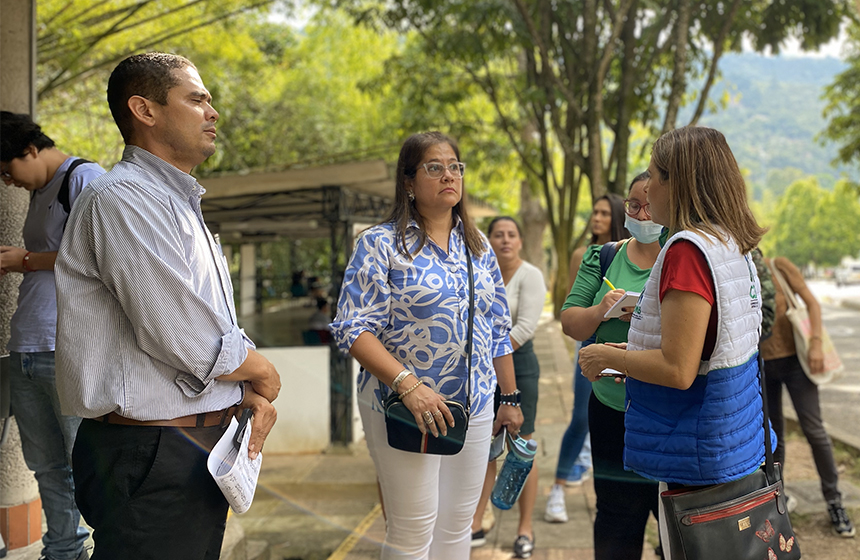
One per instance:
(47, 438)
(576, 433)
(804, 397)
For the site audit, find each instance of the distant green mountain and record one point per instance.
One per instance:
(774, 116)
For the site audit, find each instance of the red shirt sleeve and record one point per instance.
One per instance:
(685, 268)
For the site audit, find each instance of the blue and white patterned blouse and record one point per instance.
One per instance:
(419, 310)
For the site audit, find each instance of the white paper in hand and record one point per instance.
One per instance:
(629, 299)
(234, 473)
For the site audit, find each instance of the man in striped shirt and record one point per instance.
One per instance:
(148, 349)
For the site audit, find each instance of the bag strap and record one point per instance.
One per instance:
(607, 254)
(768, 450)
(790, 298)
(471, 328)
(63, 193)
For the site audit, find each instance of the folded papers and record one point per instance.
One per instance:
(234, 473)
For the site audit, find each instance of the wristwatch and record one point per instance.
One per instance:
(512, 399)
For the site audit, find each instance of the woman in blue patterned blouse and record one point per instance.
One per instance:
(403, 314)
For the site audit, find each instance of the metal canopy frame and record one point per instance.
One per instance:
(296, 203)
(308, 203)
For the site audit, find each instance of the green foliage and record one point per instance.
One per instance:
(842, 109)
(773, 118)
(79, 39)
(302, 103)
(813, 225)
(568, 80)
(80, 43)
(811, 21)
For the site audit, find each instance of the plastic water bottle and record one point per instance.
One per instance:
(515, 471)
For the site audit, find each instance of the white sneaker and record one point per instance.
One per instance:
(556, 510)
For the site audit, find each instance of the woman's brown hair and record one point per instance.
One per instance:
(411, 154)
(705, 188)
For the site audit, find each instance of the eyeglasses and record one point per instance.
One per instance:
(436, 170)
(632, 208)
(5, 176)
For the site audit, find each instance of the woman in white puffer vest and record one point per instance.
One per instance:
(694, 414)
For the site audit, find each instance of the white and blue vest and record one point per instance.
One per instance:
(712, 432)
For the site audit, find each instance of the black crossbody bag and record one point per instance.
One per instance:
(403, 432)
(745, 519)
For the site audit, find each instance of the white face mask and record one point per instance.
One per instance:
(644, 232)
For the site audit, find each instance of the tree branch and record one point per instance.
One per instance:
(680, 68)
(151, 42)
(546, 61)
(719, 45)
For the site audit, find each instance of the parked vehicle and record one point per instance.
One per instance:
(847, 273)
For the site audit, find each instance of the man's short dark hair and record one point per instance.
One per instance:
(17, 133)
(149, 75)
(321, 303)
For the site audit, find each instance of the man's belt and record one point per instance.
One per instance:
(220, 418)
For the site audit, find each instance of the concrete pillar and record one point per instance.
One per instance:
(20, 508)
(247, 279)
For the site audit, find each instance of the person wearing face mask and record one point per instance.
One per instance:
(574, 456)
(624, 499)
(694, 407)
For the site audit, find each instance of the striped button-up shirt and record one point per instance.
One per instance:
(146, 320)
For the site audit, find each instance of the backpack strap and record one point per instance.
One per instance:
(607, 253)
(63, 194)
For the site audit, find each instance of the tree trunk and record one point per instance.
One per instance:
(622, 126)
(679, 72)
(534, 220)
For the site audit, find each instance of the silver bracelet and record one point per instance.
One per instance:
(399, 379)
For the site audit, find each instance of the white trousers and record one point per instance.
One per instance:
(429, 499)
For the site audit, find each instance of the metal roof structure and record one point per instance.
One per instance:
(301, 203)
(296, 203)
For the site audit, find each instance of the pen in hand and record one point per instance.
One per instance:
(608, 283)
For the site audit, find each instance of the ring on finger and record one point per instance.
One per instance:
(428, 417)
(438, 413)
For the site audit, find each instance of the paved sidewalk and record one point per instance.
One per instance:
(325, 507)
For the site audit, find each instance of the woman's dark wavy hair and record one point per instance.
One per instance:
(411, 154)
(617, 231)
